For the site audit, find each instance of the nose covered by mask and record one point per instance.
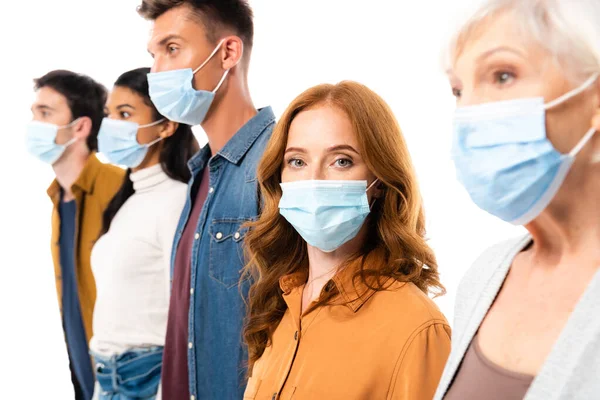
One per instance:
(325, 213)
(117, 140)
(504, 159)
(174, 96)
(40, 141)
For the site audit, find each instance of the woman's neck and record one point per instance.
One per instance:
(322, 266)
(569, 228)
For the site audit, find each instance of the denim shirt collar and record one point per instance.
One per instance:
(240, 143)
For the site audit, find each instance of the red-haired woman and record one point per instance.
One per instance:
(339, 308)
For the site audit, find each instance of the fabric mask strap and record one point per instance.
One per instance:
(572, 93)
(369, 188)
(148, 126)
(152, 123)
(152, 143)
(584, 140)
(221, 81)
(372, 184)
(209, 57)
(70, 124)
(70, 142)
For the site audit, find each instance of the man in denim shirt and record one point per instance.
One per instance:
(208, 42)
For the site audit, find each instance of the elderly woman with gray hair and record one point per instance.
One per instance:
(526, 148)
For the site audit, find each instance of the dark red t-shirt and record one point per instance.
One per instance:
(175, 381)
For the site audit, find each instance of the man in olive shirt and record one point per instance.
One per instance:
(67, 114)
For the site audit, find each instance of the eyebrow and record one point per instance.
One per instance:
(498, 49)
(166, 39)
(331, 149)
(341, 147)
(120, 106)
(42, 107)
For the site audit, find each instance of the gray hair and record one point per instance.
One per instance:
(568, 29)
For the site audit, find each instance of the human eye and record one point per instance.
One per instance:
(295, 162)
(503, 77)
(343, 162)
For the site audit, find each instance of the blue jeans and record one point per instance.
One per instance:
(133, 375)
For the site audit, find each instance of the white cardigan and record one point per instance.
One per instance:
(572, 370)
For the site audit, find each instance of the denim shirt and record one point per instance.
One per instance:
(217, 357)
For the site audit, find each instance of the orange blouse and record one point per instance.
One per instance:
(389, 344)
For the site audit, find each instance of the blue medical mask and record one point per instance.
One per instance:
(41, 141)
(117, 140)
(326, 214)
(504, 158)
(174, 96)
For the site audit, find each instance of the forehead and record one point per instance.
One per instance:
(122, 95)
(46, 96)
(321, 127)
(502, 30)
(178, 21)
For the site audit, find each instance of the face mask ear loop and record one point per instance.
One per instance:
(572, 93)
(152, 143)
(209, 57)
(70, 124)
(221, 81)
(70, 142)
(584, 140)
(152, 123)
(369, 188)
(148, 126)
(372, 184)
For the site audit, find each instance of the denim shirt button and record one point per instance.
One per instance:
(192, 397)
(236, 236)
(211, 190)
(197, 236)
(219, 236)
(190, 345)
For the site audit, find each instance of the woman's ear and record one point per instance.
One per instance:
(596, 126)
(167, 128)
(379, 190)
(596, 120)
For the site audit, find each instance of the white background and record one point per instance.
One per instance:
(392, 46)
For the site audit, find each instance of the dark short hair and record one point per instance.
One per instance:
(85, 97)
(214, 14)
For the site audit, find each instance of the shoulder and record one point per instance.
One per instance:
(422, 348)
(406, 311)
(264, 130)
(412, 307)
(109, 179)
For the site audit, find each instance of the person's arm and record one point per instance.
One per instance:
(421, 363)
